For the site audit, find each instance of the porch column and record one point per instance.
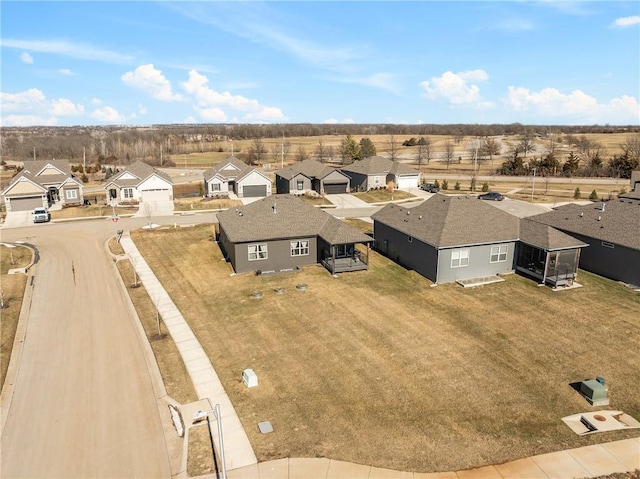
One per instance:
(575, 271)
(333, 259)
(546, 266)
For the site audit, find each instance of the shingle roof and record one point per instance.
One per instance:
(218, 169)
(447, 221)
(285, 216)
(379, 165)
(619, 223)
(23, 174)
(140, 170)
(545, 237)
(309, 168)
(36, 166)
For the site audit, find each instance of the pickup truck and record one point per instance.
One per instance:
(41, 215)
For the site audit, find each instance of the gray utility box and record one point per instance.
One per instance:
(595, 392)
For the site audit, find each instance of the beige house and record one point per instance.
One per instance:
(42, 184)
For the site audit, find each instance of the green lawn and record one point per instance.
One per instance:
(380, 368)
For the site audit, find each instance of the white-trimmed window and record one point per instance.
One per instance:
(300, 248)
(300, 185)
(257, 252)
(215, 186)
(71, 194)
(606, 244)
(127, 193)
(499, 253)
(460, 258)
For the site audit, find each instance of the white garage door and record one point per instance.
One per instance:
(26, 204)
(154, 195)
(408, 182)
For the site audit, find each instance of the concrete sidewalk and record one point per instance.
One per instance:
(583, 462)
(238, 450)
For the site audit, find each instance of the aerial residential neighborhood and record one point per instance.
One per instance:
(320, 240)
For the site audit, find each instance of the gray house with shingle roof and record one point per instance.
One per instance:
(42, 183)
(234, 176)
(311, 175)
(634, 190)
(377, 171)
(612, 231)
(454, 238)
(283, 233)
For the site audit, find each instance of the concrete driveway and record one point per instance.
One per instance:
(16, 219)
(345, 200)
(82, 402)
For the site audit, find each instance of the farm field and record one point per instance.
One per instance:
(380, 368)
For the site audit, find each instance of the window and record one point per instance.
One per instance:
(499, 254)
(460, 258)
(608, 245)
(257, 252)
(127, 193)
(300, 248)
(215, 186)
(72, 194)
(300, 185)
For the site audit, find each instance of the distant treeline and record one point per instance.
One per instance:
(125, 143)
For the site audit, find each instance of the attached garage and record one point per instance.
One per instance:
(253, 191)
(26, 204)
(335, 188)
(155, 195)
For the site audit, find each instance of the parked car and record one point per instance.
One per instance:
(41, 215)
(492, 195)
(430, 187)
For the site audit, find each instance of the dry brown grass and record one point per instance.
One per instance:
(200, 451)
(87, 211)
(11, 258)
(382, 195)
(379, 368)
(172, 368)
(13, 291)
(188, 204)
(115, 247)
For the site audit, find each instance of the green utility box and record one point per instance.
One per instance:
(595, 392)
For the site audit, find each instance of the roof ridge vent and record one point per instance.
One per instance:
(274, 208)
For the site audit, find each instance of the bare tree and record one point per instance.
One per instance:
(526, 143)
(147, 211)
(392, 147)
(448, 152)
(302, 154)
(490, 147)
(320, 151)
(631, 147)
(257, 151)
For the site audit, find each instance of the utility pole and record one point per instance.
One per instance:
(160, 154)
(282, 152)
(34, 153)
(533, 185)
(84, 159)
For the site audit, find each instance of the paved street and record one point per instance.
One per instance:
(83, 402)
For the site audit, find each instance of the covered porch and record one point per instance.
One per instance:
(555, 268)
(343, 258)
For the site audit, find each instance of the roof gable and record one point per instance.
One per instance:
(378, 165)
(23, 182)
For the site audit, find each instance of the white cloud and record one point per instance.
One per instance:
(27, 100)
(74, 50)
(64, 107)
(345, 121)
(211, 102)
(107, 114)
(96, 101)
(457, 88)
(577, 106)
(623, 22)
(65, 72)
(149, 79)
(26, 58)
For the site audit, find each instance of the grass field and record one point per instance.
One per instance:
(13, 286)
(379, 368)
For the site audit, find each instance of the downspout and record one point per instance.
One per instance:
(333, 259)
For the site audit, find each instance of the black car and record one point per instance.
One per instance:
(492, 195)
(430, 187)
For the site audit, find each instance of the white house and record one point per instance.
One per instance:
(141, 183)
(234, 176)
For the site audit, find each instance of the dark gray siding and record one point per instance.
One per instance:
(358, 181)
(414, 254)
(282, 185)
(278, 256)
(619, 263)
(479, 263)
(228, 248)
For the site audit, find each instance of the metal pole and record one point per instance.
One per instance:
(533, 186)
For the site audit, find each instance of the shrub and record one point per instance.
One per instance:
(577, 194)
(436, 184)
(84, 178)
(485, 187)
(593, 196)
(445, 185)
(457, 186)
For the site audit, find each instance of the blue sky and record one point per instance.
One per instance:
(140, 63)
